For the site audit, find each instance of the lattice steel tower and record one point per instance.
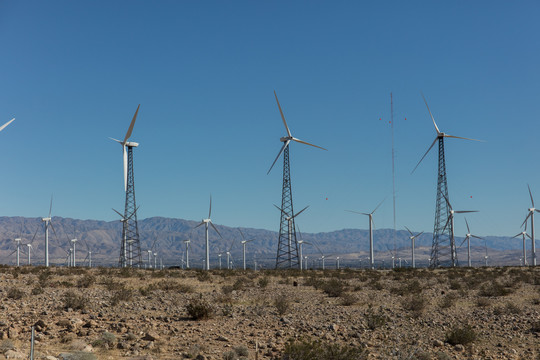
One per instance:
(287, 254)
(130, 252)
(443, 248)
(130, 249)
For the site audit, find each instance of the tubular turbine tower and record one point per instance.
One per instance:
(130, 228)
(443, 248)
(287, 253)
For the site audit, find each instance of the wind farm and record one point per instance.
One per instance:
(195, 264)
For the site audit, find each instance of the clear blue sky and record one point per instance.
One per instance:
(73, 72)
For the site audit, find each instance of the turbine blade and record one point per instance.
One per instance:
(306, 143)
(463, 138)
(477, 237)
(466, 237)
(447, 201)
(298, 213)
(526, 218)
(430, 114)
(280, 209)
(530, 193)
(515, 236)
(283, 117)
(242, 234)
(378, 206)
(128, 134)
(202, 222)
(447, 221)
(465, 211)
(285, 144)
(468, 230)
(410, 232)
(210, 209)
(6, 124)
(34, 235)
(118, 141)
(122, 216)
(133, 213)
(355, 212)
(417, 235)
(425, 154)
(50, 207)
(125, 167)
(232, 243)
(215, 228)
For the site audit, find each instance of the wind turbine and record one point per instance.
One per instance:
(17, 250)
(371, 252)
(130, 228)
(442, 212)
(413, 238)
(486, 257)
(451, 222)
(48, 222)
(187, 242)
(524, 235)
(301, 242)
(287, 248)
(29, 245)
(126, 257)
(323, 256)
(531, 215)
(244, 242)
(88, 254)
(291, 232)
(228, 252)
(205, 222)
(468, 237)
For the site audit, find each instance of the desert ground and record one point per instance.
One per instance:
(110, 313)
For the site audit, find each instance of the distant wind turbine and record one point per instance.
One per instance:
(371, 251)
(531, 215)
(206, 222)
(468, 237)
(244, 242)
(48, 222)
(524, 235)
(413, 238)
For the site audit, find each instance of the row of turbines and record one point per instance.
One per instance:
(289, 249)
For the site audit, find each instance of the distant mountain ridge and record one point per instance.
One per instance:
(103, 238)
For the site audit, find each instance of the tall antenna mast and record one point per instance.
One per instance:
(393, 169)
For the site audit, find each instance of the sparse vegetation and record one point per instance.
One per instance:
(316, 350)
(462, 335)
(282, 303)
(72, 300)
(375, 320)
(105, 341)
(15, 293)
(198, 309)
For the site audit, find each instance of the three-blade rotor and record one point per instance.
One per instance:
(287, 139)
(124, 144)
(440, 135)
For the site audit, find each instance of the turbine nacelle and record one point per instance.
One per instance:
(46, 219)
(132, 144)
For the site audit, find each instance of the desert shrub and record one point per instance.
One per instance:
(230, 355)
(148, 289)
(334, 287)
(375, 320)
(86, 281)
(121, 295)
(106, 340)
(454, 285)
(348, 299)
(535, 327)
(508, 308)
(72, 300)
(198, 309)
(6, 345)
(448, 301)
(110, 284)
(483, 302)
(227, 289)
(126, 272)
(375, 285)
(44, 278)
(171, 285)
(238, 353)
(282, 304)
(416, 304)
(461, 335)
(15, 293)
(263, 282)
(227, 310)
(204, 276)
(36, 290)
(494, 289)
(79, 355)
(316, 350)
(315, 282)
(411, 287)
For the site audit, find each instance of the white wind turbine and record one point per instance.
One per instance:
(244, 242)
(48, 222)
(17, 250)
(486, 256)
(301, 242)
(88, 254)
(371, 252)
(413, 238)
(451, 222)
(187, 242)
(531, 215)
(205, 222)
(128, 143)
(468, 237)
(228, 253)
(323, 256)
(524, 235)
(29, 245)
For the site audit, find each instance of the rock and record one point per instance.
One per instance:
(459, 348)
(13, 332)
(150, 336)
(50, 357)
(222, 338)
(40, 324)
(334, 327)
(438, 343)
(12, 354)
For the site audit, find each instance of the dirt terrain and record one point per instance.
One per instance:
(106, 313)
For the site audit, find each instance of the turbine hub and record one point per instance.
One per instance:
(285, 138)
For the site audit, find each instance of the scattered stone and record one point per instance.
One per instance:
(459, 348)
(151, 336)
(438, 343)
(222, 338)
(12, 354)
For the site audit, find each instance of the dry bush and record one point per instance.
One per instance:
(263, 282)
(86, 281)
(315, 350)
(199, 309)
(121, 295)
(411, 287)
(72, 300)
(375, 320)
(414, 303)
(494, 289)
(105, 341)
(334, 287)
(508, 308)
(448, 301)
(348, 299)
(15, 293)
(463, 335)
(282, 304)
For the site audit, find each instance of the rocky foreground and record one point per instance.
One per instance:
(104, 313)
